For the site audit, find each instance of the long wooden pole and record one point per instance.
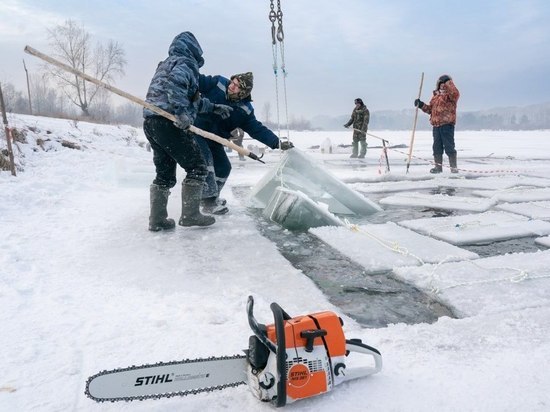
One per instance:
(414, 124)
(8, 132)
(157, 110)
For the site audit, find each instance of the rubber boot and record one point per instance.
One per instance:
(190, 200)
(452, 163)
(214, 206)
(158, 219)
(355, 149)
(438, 164)
(363, 151)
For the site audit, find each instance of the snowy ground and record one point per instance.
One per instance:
(85, 287)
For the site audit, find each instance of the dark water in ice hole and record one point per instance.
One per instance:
(372, 299)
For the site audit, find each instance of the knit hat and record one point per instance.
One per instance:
(444, 78)
(359, 101)
(246, 82)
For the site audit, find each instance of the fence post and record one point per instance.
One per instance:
(7, 130)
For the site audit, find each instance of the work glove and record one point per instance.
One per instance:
(418, 103)
(183, 121)
(222, 110)
(346, 126)
(285, 145)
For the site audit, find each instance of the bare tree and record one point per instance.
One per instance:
(71, 44)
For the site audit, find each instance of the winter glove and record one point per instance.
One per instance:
(285, 145)
(418, 103)
(222, 110)
(183, 121)
(346, 126)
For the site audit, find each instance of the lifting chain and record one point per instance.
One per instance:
(276, 33)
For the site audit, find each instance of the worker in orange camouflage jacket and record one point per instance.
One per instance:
(442, 111)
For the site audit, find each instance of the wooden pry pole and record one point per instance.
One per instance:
(414, 124)
(8, 132)
(141, 102)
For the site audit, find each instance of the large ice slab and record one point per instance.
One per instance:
(479, 228)
(543, 241)
(516, 194)
(490, 285)
(295, 211)
(439, 201)
(534, 210)
(481, 183)
(386, 246)
(297, 171)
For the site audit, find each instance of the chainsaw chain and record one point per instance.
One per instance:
(166, 394)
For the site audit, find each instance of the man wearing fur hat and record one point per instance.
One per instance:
(234, 92)
(442, 111)
(360, 120)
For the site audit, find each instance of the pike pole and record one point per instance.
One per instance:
(414, 124)
(157, 110)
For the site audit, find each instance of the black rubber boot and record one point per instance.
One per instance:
(438, 164)
(190, 200)
(214, 206)
(158, 220)
(355, 150)
(452, 163)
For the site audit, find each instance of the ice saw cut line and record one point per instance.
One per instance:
(291, 359)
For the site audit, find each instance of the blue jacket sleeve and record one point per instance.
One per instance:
(206, 83)
(258, 131)
(178, 84)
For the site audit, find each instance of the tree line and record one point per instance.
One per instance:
(56, 93)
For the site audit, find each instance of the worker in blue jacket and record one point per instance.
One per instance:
(234, 92)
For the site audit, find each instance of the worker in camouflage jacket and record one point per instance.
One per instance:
(175, 89)
(360, 120)
(236, 93)
(442, 111)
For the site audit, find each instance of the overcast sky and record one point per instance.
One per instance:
(497, 51)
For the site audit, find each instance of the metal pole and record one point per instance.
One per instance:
(28, 86)
(414, 124)
(169, 116)
(7, 131)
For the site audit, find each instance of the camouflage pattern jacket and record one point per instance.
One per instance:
(360, 119)
(442, 107)
(175, 84)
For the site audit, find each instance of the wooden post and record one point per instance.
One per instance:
(414, 124)
(157, 110)
(28, 86)
(8, 132)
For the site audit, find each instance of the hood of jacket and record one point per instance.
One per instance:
(186, 45)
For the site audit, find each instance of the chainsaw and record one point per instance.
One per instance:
(291, 359)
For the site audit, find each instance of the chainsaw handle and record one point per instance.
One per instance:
(279, 316)
(259, 330)
(355, 345)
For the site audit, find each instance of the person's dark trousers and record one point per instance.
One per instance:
(173, 146)
(443, 141)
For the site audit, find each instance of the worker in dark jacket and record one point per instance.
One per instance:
(234, 92)
(360, 120)
(442, 111)
(175, 89)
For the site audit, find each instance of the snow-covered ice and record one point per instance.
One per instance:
(85, 287)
